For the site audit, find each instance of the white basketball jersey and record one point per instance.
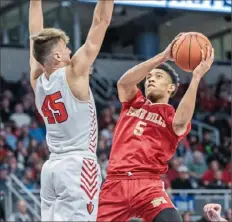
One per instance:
(71, 124)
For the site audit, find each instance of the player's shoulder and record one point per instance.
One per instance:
(138, 99)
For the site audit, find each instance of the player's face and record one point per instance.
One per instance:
(158, 85)
(62, 53)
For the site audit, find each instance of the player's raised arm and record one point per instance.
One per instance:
(83, 59)
(185, 110)
(127, 84)
(35, 26)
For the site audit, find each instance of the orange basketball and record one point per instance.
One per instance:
(186, 51)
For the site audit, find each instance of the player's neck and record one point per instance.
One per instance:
(49, 69)
(159, 100)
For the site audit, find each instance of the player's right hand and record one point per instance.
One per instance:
(206, 63)
(167, 53)
(213, 212)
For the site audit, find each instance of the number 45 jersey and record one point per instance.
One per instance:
(143, 138)
(71, 124)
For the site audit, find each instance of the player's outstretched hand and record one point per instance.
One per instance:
(206, 63)
(167, 53)
(213, 212)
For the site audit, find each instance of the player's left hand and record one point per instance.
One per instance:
(206, 62)
(167, 53)
(213, 212)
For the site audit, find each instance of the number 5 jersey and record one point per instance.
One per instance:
(143, 138)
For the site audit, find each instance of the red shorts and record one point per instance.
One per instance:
(122, 199)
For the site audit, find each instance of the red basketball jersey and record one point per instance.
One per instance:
(143, 138)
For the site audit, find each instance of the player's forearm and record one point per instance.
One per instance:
(35, 17)
(103, 11)
(136, 74)
(185, 110)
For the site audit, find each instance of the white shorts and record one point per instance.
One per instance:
(70, 187)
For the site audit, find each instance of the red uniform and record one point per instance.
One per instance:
(143, 143)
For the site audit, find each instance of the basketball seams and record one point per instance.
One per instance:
(176, 60)
(189, 56)
(198, 41)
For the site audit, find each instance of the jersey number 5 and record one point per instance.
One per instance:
(139, 128)
(54, 111)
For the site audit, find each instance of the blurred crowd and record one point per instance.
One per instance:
(197, 164)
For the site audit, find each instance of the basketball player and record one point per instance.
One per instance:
(213, 212)
(70, 179)
(145, 138)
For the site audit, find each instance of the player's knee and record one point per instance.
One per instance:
(167, 215)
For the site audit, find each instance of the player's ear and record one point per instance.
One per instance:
(57, 56)
(171, 88)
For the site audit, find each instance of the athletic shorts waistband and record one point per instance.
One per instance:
(133, 175)
(82, 154)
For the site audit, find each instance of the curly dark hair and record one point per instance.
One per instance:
(172, 73)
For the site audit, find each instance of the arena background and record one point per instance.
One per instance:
(199, 173)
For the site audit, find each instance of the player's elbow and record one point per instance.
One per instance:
(91, 49)
(106, 20)
(121, 83)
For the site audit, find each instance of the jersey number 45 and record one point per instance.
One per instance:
(53, 110)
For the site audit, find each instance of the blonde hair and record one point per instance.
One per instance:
(45, 41)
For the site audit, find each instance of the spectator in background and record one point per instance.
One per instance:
(36, 133)
(210, 173)
(11, 139)
(115, 102)
(105, 119)
(21, 215)
(183, 181)
(217, 182)
(3, 176)
(194, 145)
(19, 117)
(186, 216)
(173, 173)
(207, 100)
(25, 137)
(9, 95)
(5, 110)
(28, 179)
(102, 147)
(198, 167)
(21, 155)
(227, 175)
(183, 148)
(208, 144)
(13, 168)
(23, 85)
(3, 150)
(107, 133)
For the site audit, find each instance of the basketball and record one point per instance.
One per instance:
(186, 51)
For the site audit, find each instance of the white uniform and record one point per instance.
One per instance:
(70, 179)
